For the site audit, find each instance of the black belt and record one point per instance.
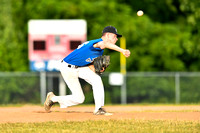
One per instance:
(71, 66)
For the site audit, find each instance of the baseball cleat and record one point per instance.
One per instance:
(48, 102)
(102, 111)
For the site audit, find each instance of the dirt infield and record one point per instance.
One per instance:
(30, 113)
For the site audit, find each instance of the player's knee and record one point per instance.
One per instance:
(97, 82)
(96, 79)
(80, 100)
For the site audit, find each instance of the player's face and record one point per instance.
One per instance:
(113, 38)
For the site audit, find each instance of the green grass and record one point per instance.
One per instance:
(104, 126)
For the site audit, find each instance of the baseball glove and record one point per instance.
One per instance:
(101, 63)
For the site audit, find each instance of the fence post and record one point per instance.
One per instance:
(49, 82)
(42, 86)
(62, 86)
(123, 91)
(177, 88)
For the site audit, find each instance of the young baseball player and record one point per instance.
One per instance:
(79, 64)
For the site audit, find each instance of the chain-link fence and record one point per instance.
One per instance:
(18, 87)
(141, 87)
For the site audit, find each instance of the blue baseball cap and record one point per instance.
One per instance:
(111, 29)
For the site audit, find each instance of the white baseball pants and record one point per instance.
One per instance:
(71, 76)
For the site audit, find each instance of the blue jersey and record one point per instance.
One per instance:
(84, 54)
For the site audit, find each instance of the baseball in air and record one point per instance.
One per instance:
(140, 13)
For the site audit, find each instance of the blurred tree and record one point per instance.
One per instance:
(163, 11)
(168, 46)
(11, 48)
(191, 10)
